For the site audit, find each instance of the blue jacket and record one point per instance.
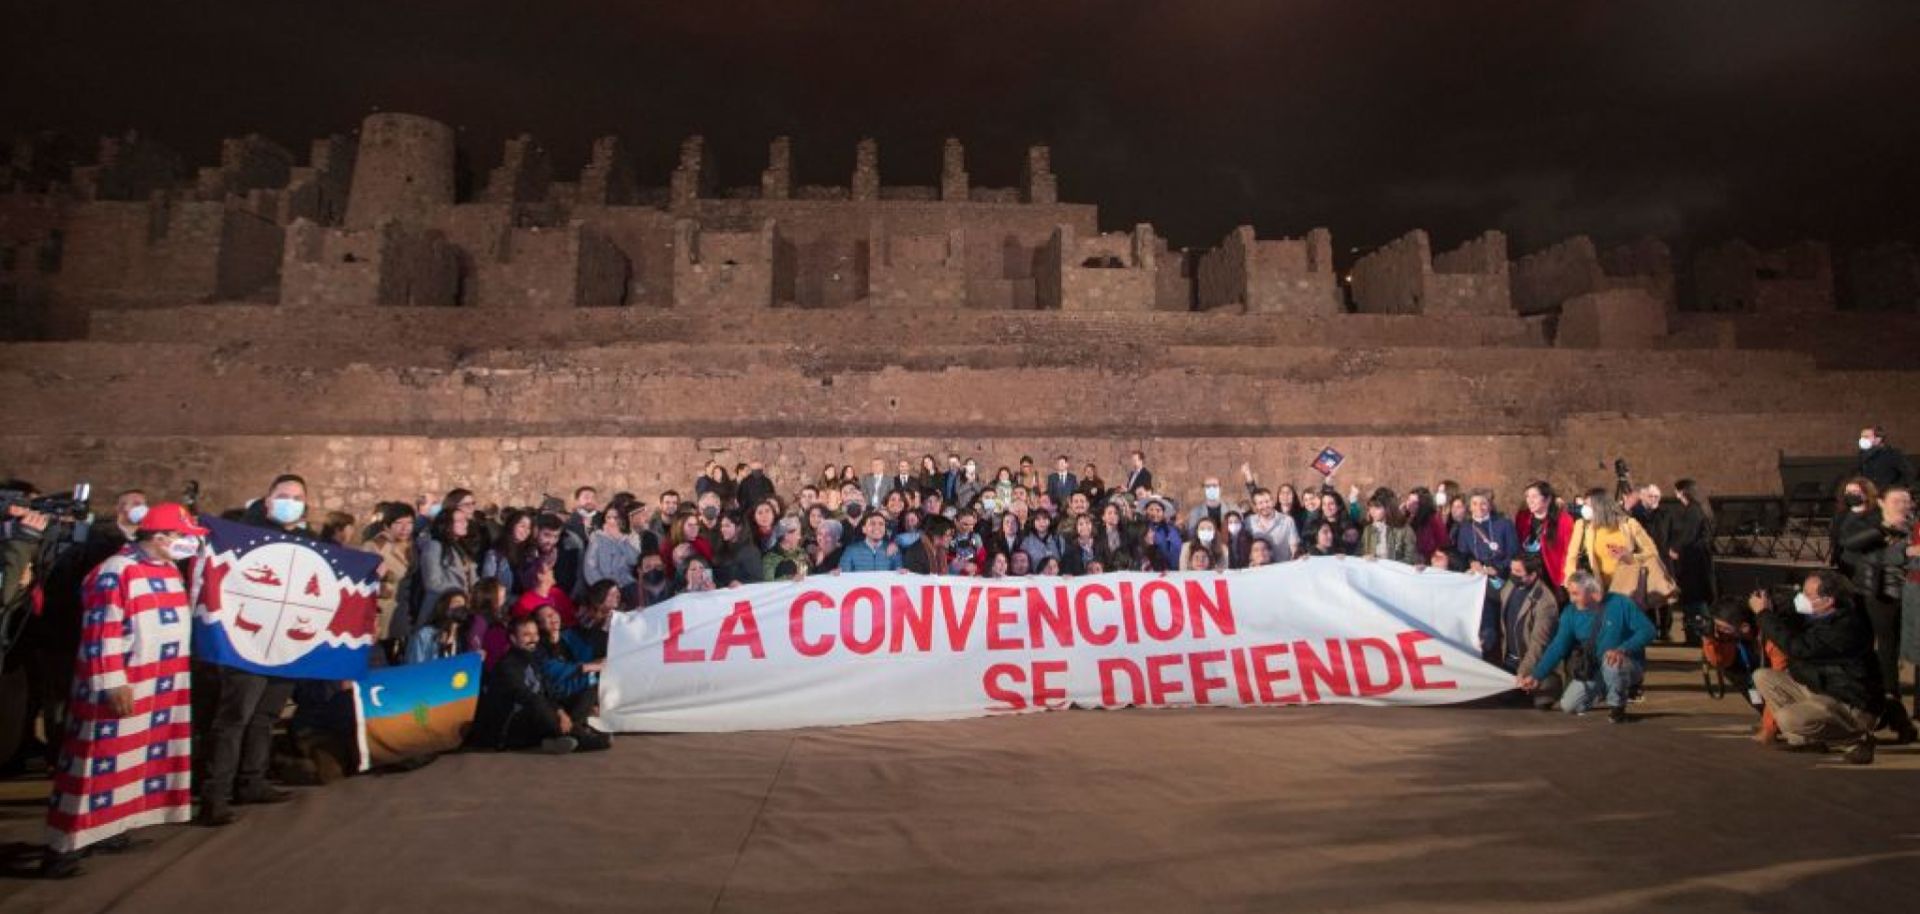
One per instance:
(859, 556)
(1493, 543)
(1622, 626)
(561, 672)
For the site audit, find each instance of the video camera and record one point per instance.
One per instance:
(67, 507)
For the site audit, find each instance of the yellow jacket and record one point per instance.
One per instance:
(1598, 542)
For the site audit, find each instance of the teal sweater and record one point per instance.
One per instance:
(1622, 626)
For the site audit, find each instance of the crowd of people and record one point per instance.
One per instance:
(1578, 588)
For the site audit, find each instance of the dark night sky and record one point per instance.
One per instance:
(1684, 119)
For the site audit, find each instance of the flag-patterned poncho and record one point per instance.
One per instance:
(120, 773)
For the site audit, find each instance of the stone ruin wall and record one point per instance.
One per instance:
(608, 332)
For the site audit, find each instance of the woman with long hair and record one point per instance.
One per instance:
(1286, 500)
(613, 552)
(765, 517)
(1083, 547)
(1428, 521)
(1041, 542)
(1608, 540)
(445, 633)
(1207, 545)
(1334, 514)
(1690, 553)
(1387, 535)
(1003, 484)
(509, 550)
(1546, 530)
(449, 557)
(739, 559)
(487, 630)
(1856, 509)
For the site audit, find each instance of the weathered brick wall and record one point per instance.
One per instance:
(162, 252)
(919, 271)
(718, 269)
(403, 169)
(246, 163)
(1545, 278)
(363, 329)
(1728, 453)
(1392, 279)
(1471, 279)
(1611, 319)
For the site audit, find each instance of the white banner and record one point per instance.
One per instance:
(862, 648)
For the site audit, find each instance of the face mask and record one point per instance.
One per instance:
(1866, 444)
(1496, 583)
(1440, 499)
(1855, 499)
(184, 548)
(136, 514)
(1586, 512)
(1802, 605)
(1233, 529)
(1213, 493)
(710, 512)
(433, 511)
(286, 510)
(1206, 536)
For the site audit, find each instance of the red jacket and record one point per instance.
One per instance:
(1553, 553)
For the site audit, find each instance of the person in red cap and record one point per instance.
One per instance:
(127, 757)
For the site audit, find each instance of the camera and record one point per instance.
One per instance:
(67, 507)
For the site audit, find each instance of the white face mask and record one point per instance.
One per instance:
(183, 548)
(1213, 493)
(1233, 529)
(286, 510)
(1866, 444)
(1586, 512)
(1206, 535)
(1802, 605)
(136, 514)
(1440, 499)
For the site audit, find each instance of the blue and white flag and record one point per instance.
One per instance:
(280, 605)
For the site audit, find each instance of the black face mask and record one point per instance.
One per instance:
(1855, 499)
(654, 579)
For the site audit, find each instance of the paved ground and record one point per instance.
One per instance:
(1293, 809)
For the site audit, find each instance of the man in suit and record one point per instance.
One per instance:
(950, 480)
(875, 485)
(1140, 476)
(1061, 482)
(903, 477)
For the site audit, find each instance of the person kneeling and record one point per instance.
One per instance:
(516, 711)
(1607, 636)
(1830, 694)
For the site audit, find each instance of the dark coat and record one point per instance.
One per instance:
(1886, 466)
(1074, 557)
(515, 710)
(1687, 530)
(740, 564)
(1831, 654)
(754, 489)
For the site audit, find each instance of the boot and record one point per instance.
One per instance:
(56, 865)
(1861, 753)
(1897, 720)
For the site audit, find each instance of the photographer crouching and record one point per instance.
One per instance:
(1830, 694)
